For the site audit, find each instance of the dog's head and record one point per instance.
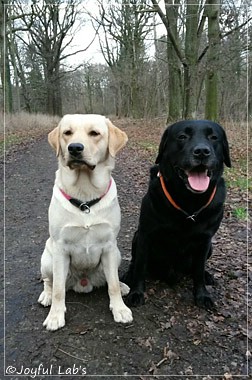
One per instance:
(196, 151)
(83, 141)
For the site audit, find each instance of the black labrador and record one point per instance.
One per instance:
(181, 211)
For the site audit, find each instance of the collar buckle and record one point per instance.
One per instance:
(191, 217)
(85, 208)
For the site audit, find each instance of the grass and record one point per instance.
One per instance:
(240, 213)
(148, 145)
(238, 176)
(9, 141)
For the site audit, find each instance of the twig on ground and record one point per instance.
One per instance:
(72, 356)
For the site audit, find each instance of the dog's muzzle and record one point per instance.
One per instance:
(197, 178)
(198, 175)
(76, 156)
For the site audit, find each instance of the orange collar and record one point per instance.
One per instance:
(174, 204)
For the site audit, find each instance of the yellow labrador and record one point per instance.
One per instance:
(84, 217)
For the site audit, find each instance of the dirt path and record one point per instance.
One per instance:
(169, 335)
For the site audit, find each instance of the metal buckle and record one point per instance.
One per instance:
(191, 217)
(85, 208)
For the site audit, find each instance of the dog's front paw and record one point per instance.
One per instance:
(124, 289)
(135, 298)
(203, 300)
(45, 298)
(55, 320)
(121, 314)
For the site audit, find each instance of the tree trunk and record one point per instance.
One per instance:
(249, 116)
(89, 91)
(57, 93)
(191, 55)
(4, 59)
(211, 106)
(175, 88)
(53, 91)
(7, 86)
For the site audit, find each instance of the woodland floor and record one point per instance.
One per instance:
(169, 337)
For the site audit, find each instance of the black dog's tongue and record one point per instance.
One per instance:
(199, 181)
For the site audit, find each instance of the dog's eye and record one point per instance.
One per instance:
(213, 137)
(68, 133)
(94, 133)
(182, 137)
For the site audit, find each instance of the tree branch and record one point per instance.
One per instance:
(222, 36)
(236, 28)
(169, 32)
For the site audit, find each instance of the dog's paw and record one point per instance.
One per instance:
(55, 320)
(45, 298)
(209, 279)
(135, 298)
(124, 289)
(204, 301)
(122, 314)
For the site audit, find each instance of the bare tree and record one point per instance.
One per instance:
(174, 64)
(197, 52)
(183, 56)
(49, 24)
(125, 27)
(4, 62)
(9, 59)
(234, 63)
(50, 31)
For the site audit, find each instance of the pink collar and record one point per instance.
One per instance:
(85, 206)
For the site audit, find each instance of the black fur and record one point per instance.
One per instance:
(167, 245)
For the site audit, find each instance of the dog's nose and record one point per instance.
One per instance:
(201, 151)
(75, 149)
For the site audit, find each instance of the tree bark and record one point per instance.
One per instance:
(191, 55)
(211, 105)
(249, 108)
(4, 58)
(175, 85)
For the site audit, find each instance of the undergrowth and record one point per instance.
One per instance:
(21, 127)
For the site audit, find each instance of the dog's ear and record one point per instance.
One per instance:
(226, 155)
(117, 138)
(53, 139)
(162, 146)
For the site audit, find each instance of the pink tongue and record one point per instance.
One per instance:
(198, 181)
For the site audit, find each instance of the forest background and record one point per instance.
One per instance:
(198, 67)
